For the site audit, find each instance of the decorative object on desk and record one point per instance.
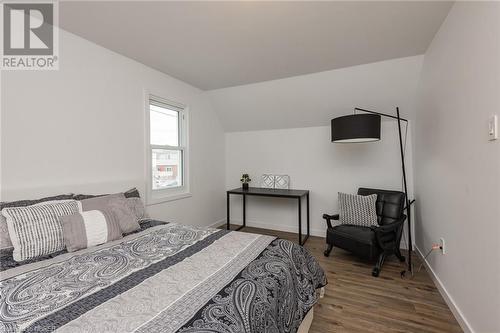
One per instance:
(282, 182)
(267, 181)
(245, 179)
(366, 128)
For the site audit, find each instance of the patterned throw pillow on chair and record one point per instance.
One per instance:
(358, 209)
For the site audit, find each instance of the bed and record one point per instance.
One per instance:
(167, 277)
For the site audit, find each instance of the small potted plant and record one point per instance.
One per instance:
(245, 179)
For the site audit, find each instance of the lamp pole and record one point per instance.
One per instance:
(408, 202)
(408, 206)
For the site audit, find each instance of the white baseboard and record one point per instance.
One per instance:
(446, 296)
(217, 224)
(278, 227)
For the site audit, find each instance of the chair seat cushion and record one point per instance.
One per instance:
(358, 239)
(360, 233)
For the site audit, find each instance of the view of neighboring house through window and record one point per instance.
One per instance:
(166, 121)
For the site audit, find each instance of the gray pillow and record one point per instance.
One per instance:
(90, 228)
(132, 193)
(134, 202)
(36, 230)
(137, 207)
(5, 242)
(358, 209)
(117, 204)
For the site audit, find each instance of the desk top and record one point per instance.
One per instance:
(270, 192)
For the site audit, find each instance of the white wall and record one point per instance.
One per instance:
(313, 99)
(457, 168)
(81, 128)
(306, 153)
(314, 163)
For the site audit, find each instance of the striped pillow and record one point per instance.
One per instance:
(90, 228)
(358, 209)
(5, 242)
(36, 230)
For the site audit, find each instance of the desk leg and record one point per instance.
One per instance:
(300, 221)
(244, 211)
(307, 216)
(227, 212)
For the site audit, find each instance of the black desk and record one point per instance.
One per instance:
(269, 192)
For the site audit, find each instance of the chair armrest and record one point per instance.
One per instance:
(391, 227)
(381, 232)
(329, 219)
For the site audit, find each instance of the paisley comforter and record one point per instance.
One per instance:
(167, 278)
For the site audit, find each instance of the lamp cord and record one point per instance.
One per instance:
(423, 260)
(421, 264)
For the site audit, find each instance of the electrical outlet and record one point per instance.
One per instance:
(442, 245)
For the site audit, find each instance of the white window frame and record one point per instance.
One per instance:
(158, 196)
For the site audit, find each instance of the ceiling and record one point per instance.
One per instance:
(214, 45)
(314, 99)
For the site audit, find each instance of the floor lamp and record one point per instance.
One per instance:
(366, 128)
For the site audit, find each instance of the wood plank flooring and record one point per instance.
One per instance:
(357, 302)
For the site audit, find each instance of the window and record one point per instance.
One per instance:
(167, 159)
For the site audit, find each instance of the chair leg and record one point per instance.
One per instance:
(399, 255)
(378, 267)
(328, 250)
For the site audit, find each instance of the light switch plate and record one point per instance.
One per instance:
(493, 127)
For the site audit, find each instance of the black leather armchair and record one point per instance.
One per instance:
(375, 242)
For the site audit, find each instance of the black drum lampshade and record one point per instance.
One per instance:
(356, 128)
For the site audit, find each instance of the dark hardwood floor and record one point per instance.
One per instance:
(357, 302)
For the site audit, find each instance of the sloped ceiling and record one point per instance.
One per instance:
(314, 99)
(222, 44)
